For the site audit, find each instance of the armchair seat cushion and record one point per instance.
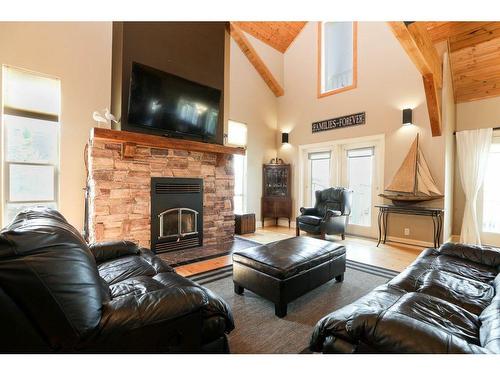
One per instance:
(309, 219)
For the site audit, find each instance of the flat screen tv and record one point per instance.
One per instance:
(172, 106)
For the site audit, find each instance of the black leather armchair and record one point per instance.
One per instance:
(58, 294)
(329, 215)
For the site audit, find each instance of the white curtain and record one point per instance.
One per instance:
(473, 148)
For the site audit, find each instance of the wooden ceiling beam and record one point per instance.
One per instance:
(417, 43)
(254, 58)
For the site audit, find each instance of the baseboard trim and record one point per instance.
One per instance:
(409, 241)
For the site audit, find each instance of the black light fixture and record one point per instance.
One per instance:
(284, 137)
(407, 116)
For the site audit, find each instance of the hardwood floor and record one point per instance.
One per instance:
(393, 256)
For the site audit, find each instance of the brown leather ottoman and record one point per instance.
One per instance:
(285, 270)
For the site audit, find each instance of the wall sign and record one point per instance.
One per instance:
(339, 122)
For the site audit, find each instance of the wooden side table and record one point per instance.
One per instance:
(385, 209)
(244, 223)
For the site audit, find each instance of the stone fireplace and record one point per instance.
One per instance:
(121, 167)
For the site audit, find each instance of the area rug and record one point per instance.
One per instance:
(258, 330)
(187, 256)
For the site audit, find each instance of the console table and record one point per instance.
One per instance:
(385, 209)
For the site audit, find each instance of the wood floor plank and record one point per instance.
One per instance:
(390, 255)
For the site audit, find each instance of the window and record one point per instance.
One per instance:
(236, 133)
(30, 129)
(360, 177)
(337, 56)
(491, 187)
(319, 165)
(237, 136)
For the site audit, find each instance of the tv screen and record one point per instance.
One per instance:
(171, 105)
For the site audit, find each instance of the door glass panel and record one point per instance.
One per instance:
(360, 177)
(491, 187)
(320, 172)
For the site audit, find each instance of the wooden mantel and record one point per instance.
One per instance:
(130, 140)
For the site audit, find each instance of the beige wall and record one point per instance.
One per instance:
(252, 102)
(273, 59)
(387, 82)
(79, 53)
(472, 115)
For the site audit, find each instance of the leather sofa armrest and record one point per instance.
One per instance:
(104, 251)
(489, 256)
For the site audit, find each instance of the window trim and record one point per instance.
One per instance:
(354, 62)
(244, 194)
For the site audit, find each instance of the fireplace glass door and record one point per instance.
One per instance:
(178, 223)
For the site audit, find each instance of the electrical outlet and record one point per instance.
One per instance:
(407, 231)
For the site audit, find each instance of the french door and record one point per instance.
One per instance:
(361, 173)
(355, 164)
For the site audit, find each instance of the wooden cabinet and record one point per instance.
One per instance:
(276, 192)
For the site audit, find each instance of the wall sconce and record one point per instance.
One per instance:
(407, 116)
(284, 138)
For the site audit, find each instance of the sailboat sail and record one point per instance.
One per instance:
(404, 179)
(413, 181)
(425, 182)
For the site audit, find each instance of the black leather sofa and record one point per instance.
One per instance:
(447, 301)
(329, 214)
(57, 294)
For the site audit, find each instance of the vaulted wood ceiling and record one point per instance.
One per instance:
(278, 35)
(474, 54)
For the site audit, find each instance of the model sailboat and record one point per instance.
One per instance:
(413, 181)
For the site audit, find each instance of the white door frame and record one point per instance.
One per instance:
(336, 147)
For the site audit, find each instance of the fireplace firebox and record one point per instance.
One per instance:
(176, 213)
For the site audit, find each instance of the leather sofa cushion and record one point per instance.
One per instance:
(284, 259)
(415, 324)
(126, 267)
(309, 219)
(103, 251)
(472, 295)
(139, 276)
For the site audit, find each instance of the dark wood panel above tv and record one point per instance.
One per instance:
(192, 50)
